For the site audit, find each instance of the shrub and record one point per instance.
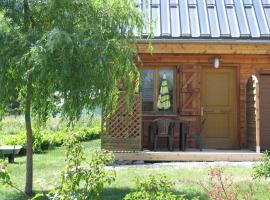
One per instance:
(219, 187)
(37, 142)
(19, 139)
(86, 134)
(83, 179)
(11, 126)
(42, 140)
(262, 170)
(156, 187)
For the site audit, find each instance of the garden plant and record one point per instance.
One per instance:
(262, 169)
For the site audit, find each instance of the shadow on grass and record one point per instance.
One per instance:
(108, 193)
(11, 194)
(6, 194)
(115, 193)
(120, 193)
(17, 163)
(12, 163)
(190, 195)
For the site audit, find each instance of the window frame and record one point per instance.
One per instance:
(156, 70)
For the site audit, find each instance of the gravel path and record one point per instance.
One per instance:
(187, 165)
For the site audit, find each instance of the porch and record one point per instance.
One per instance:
(131, 143)
(228, 97)
(207, 155)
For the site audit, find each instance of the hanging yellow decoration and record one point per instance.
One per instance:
(164, 97)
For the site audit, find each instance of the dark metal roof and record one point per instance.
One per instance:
(207, 19)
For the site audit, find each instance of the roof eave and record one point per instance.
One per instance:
(208, 41)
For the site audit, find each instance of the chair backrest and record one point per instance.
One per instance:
(198, 125)
(163, 126)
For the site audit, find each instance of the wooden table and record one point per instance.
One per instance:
(10, 151)
(183, 131)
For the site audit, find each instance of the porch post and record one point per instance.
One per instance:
(257, 113)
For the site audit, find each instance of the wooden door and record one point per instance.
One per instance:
(190, 90)
(219, 108)
(265, 111)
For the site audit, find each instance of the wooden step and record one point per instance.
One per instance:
(189, 156)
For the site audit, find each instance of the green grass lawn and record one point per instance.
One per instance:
(48, 166)
(47, 169)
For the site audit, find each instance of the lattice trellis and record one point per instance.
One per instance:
(122, 130)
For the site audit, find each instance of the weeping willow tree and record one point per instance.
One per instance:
(68, 53)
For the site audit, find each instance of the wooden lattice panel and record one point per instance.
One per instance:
(122, 130)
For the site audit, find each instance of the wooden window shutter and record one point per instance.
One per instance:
(190, 103)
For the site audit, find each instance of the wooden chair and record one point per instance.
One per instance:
(163, 127)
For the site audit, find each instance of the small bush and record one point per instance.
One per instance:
(156, 187)
(219, 187)
(83, 179)
(262, 170)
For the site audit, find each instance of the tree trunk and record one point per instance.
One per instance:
(29, 136)
(27, 115)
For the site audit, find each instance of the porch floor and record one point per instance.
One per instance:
(190, 155)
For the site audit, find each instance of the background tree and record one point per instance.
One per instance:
(68, 53)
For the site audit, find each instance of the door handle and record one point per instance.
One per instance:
(202, 110)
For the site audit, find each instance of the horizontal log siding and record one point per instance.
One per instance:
(246, 65)
(213, 48)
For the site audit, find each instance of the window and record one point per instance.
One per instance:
(157, 86)
(148, 89)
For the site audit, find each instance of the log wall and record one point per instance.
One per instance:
(251, 113)
(246, 66)
(129, 132)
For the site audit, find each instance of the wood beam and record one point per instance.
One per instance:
(199, 48)
(199, 58)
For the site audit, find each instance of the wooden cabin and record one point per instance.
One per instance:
(216, 55)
